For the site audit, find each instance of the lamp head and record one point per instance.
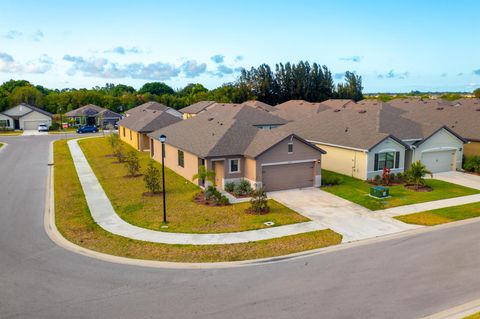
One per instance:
(163, 138)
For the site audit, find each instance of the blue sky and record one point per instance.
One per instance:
(397, 46)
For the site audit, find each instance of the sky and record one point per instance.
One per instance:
(396, 46)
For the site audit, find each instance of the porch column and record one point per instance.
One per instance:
(209, 167)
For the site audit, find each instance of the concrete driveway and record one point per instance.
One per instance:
(464, 179)
(353, 221)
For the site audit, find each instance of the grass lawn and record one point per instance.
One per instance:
(442, 215)
(10, 133)
(68, 130)
(474, 316)
(183, 214)
(357, 191)
(75, 223)
(1, 145)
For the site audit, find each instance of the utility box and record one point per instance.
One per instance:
(379, 191)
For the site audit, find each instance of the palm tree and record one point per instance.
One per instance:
(204, 175)
(416, 173)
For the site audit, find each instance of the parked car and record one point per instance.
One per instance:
(87, 129)
(42, 128)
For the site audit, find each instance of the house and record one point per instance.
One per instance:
(362, 138)
(196, 108)
(238, 141)
(93, 115)
(155, 106)
(24, 117)
(134, 128)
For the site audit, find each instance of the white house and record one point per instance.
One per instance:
(25, 117)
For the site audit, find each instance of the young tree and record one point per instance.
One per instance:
(152, 178)
(204, 175)
(132, 163)
(118, 153)
(259, 202)
(416, 173)
(113, 139)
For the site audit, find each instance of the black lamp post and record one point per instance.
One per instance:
(163, 138)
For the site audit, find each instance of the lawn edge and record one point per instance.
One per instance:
(458, 312)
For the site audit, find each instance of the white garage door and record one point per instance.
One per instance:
(32, 125)
(438, 162)
(288, 176)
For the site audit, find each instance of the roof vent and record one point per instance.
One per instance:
(336, 110)
(362, 111)
(346, 129)
(478, 110)
(210, 119)
(439, 108)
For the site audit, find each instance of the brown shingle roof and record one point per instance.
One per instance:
(146, 120)
(147, 106)
(92, 110)
(197, 107)
(298, 109)
(260, 105)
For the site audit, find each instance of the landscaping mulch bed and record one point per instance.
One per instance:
(200, 199)
(240, 196)
(419, 189)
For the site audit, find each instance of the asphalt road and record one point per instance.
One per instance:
(401, 278)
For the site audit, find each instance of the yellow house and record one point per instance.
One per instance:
(133, 129)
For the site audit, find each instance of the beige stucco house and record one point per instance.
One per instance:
(240, 142)
(25, 117)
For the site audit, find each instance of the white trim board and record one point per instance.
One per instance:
(289, 162)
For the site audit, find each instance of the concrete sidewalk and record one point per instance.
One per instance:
(105, 216)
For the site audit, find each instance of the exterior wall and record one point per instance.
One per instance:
(18, 110)
(345, 161)
(191, 161)
(472, 149)
(7, 118)
(144, 142)
(388, 145)
(35, 116)
(130, 141)
(250, 169)
(441, 141)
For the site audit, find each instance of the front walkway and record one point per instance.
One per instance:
(105, 216)
(353, 221)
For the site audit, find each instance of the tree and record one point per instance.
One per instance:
(352, 88)
(416, 173)
(132, 163)
(204, 175)
(118, 153)
(152, 178)
(157, 88)
(26, 94)
(476, 93)
(10, 85)
(259, 202)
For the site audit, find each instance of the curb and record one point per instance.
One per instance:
(458, 312)
(55, 235)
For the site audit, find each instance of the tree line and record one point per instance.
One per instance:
(313, 83)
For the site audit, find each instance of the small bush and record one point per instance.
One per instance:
(132, 163)
(229, 187)
(118, 153)
(472, 164)
(223, 200)
(213, 196)
(152, 178)
(377, 179)
(331, 180)
(259, 203)
(242, 188)
(54, 127)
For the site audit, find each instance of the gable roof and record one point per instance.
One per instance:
(227, 129)
(260, 105)
(92, 110)
(147, 106)
(147, 120)
(32, 109)
(197, 107)
(298, 109)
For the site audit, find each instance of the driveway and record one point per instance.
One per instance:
(464, 179)
(33, 132)
(353, 221)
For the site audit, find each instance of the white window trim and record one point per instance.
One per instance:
(230, 166)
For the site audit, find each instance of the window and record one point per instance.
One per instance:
(387, 160)
(234, 165)
(290, 148)
(130, 134)
(181, 159)
(123, 132)
(4, 123)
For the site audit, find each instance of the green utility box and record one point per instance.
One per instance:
(379, 191)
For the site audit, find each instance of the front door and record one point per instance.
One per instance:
(16, 124)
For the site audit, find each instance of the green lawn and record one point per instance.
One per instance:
(68, 130)
(474, 316)
(357, 191)
(1, 145)
(75, 223)
(10, 133)
(184, 215)
(442, 215)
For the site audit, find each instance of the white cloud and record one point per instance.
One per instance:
(41, 65)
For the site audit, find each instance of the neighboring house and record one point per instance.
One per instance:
(93, 115)
(231, 141)
(362, 139)
(25, 117)
(134, 128)
(196, 108)
(6, 122)
(154, 106)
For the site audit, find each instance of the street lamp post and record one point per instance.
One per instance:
(163, 138)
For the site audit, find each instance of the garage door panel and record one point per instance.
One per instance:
(438, 162)
(288, 176)
(31, 125)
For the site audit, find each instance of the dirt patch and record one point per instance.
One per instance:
(421, 188)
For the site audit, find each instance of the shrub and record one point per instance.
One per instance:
(331, 180)
(54, 127)
(377, 179)
(118, 153)
(416, 173)
(152, 178)
(223, 200)
(132, 163)
(472, 164)
(213, 196)
(229, 186)
(113, 141)
(259, 202)
(386, 177)
(242, 188)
